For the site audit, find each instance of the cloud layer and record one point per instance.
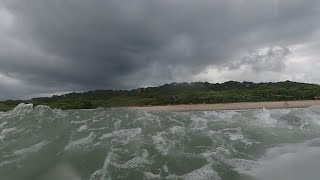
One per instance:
(67, 45)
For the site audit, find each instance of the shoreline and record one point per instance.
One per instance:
(231, 106)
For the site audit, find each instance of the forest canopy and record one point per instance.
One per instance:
(177, 93)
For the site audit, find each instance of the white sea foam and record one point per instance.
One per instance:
(302, 127)
(6, 163)
(82, 128)
(173, 119)
(198, 123)
(236, 134)
(147, 119)
(136, 162)
(83, 121)
(31, 149)
(314, 118)
(84, 142)
(2, 138)
(204, 173)
(234, 137)
(123, 136)
(177, 130)
(165, 168)
(107, 162)
(233, 133)
(264, 119)
(96, 175)
(3, 124)
(151, 176)
(117, 124)
(243, 166)
(23, 108)
(224, 115)
(162, 144)
(8, 130)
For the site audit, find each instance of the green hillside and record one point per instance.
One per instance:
(178, 93)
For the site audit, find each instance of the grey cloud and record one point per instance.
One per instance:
(67, 45)
(270, 59)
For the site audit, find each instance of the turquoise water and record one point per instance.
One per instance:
(39, 143)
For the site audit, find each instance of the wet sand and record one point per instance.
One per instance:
(232, 106)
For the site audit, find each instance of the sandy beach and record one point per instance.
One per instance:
(232, 106)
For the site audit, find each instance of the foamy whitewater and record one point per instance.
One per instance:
(39, 143)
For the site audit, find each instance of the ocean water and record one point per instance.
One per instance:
(39, 143)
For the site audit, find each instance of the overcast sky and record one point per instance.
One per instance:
(56, 46)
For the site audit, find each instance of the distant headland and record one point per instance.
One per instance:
(178, 94)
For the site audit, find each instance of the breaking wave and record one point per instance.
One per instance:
(40, 143)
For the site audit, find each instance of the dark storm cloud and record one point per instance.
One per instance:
(66, 45)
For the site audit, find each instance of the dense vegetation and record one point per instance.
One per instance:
(178, 93)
